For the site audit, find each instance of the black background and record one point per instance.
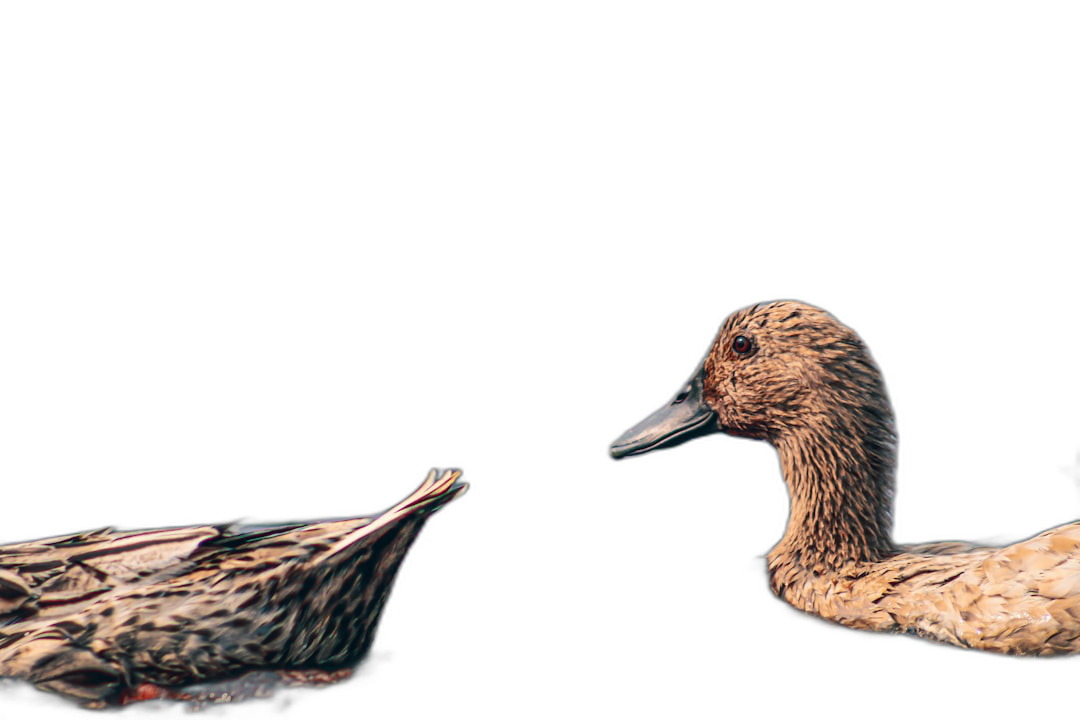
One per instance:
(302, 327)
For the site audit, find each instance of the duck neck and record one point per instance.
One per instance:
(840, 477)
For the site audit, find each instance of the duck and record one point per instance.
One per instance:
(791, 375)
(109, 617)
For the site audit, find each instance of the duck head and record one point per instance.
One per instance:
(774, 372)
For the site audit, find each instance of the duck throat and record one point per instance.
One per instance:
(839, 474)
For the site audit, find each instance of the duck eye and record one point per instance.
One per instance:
(741, 345)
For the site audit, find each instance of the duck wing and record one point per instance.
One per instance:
(54, 575)
(258, 547)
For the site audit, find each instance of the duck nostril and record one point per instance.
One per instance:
(682, 396)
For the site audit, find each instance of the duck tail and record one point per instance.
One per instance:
(433, 493)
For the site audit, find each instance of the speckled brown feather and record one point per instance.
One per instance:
(811, 389)
(92, 615)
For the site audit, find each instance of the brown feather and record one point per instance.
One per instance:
(812, 390)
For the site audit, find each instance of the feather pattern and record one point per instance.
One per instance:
(792, 375)
(93, 614)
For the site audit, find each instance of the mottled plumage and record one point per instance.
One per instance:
(94, 615)
(792, 375)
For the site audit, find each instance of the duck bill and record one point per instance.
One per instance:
(687, 416)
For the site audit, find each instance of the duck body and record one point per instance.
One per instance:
(1022, 599)
(792, 375)
(94, 615)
